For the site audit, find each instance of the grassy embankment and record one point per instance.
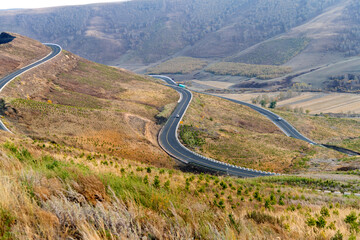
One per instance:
(91, 106)
(178, 65)
(51, 190)
(325, 129)
(20, 52)
(238, 135)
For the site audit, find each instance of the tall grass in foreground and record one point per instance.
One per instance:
(44, 197)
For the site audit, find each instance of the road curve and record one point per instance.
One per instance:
(56, 49)
(281, 123)
(169, 141)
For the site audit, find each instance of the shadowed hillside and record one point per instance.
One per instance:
(147, 31)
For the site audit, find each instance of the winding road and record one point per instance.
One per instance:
(168, 138)
(169, 141)
(56, 49)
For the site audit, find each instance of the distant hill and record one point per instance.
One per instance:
(146, 31)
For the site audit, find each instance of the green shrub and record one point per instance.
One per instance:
(156, 182)
(190, 136)
(7, 220)
(311, 221)
(351, 220)
(338, 236)
(320, 222)
(324, 212)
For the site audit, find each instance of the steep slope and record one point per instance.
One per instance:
(76, 102)
(18, 51)
(49, 191)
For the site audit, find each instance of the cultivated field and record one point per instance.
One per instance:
(315, 102)
(248, 70)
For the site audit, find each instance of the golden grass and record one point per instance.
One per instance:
(20, 52)
(73, 95)
(238, 135)
(322, 128)
(248, 70)
(178, 65)
(162, 213)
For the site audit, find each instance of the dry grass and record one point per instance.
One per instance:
(178, 65)
(240, 136)
(216, 207)
(19, 53)
(85, 104)
(323, 128)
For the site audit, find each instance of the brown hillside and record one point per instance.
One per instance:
(79, 103)
(20, 52)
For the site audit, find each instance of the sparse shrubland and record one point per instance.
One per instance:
(91, 106)
(70, 195)
(248, 70)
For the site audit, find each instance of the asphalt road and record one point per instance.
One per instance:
(286, 127)
(169, 141)
(56, 49)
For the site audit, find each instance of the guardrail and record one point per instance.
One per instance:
(196, 154)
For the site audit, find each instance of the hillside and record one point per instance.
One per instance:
(75, 102)
(84, 163)
(51, 191)
(18, 51)
(235, 134)
(146, 31)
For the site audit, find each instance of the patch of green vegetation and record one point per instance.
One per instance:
(248, 70)
(48, 165)
(45, 107)
(191, 136)
(167, 110)
(330, 185)
(76, 99)
(138, 189)
(7, 220)
(275, 52)
(179, 65)
(353, 144)
(101, 76)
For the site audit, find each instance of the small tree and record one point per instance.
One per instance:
(263, 103)
(272, 104)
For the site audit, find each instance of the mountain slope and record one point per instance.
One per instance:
(72, 101)
(148, 31)
(19, 51)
